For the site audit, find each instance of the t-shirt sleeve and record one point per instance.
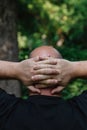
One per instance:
(7, 104)
(80, 102)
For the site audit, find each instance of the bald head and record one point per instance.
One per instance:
(45, 51)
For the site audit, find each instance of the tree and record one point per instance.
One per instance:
(8, 41)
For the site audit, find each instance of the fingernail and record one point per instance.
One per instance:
(32, 77)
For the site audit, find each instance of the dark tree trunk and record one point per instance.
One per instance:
(8, 41)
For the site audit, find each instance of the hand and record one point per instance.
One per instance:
(67, 70)
(25, 70)
(45, 74)
(66, 73)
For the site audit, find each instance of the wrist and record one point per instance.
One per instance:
(73, 70)
(17, 71)
(76, 72)
(8, 69)
(81, 69)
(14, 70)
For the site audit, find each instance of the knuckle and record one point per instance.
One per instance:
(54, 81)
(31, 71)
(54, 71)
(35, 78)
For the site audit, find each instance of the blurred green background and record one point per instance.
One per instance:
(60, 23)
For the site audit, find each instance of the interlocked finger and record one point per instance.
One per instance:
(57, 89)
(33, 89)
(47, 71)
(41, 66)
(49, 61)
(39, 86)
(41, 77)
(49, 82)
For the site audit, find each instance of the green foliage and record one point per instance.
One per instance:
(48, 16)
(74, 53)
(45, 22)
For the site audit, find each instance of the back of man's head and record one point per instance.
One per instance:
(45, 51)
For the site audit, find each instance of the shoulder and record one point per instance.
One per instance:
(79, 103)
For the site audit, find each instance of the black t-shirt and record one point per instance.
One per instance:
(43, 113)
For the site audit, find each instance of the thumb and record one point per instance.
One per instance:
(57, 89)
(33, 89)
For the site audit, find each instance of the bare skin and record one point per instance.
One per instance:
(67, 70)
(44, 51)
(44, 71)
(23, 70)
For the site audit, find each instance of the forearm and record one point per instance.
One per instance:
(80, 69)
(8, 69)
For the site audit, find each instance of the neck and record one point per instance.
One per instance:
(46, 92)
